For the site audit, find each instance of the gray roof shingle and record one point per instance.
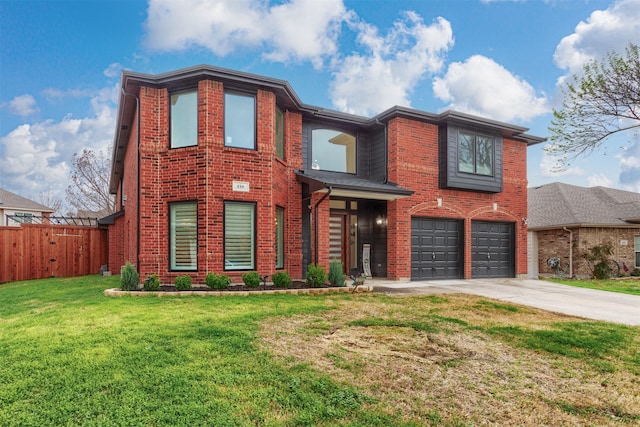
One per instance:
(557, 205)
(9, 200)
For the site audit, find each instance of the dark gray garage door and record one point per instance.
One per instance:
(436, 248)
(492, 249)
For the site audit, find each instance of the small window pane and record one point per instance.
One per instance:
(239, 121)
(279, 237)
(184, 119)
(465, 153)
(484, 155)
(637, 250)
(333, 151)
(183, 232)
(279, 134)
(239, 232)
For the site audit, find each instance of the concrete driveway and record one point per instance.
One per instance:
(587, 303)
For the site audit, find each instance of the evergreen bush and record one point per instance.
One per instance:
(183, 283)
(217, 281)
(129, 278)
(316, 276)
(251, 279)
(281, 279)
(152, 283)
(336, 276)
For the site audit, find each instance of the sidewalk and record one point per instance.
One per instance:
(581, 302)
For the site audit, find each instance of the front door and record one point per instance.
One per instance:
(339, 239)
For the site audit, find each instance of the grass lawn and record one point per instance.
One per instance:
(71, 356)
(626, 285)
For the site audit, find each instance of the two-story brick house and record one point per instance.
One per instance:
(222, 171)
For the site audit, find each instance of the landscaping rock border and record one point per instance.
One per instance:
(117, 292)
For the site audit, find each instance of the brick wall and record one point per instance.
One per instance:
(556, 243)
(205, 174)
(413, 164)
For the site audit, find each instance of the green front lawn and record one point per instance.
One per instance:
(71, 356)
(629, 285)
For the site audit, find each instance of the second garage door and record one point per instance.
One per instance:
(436, 248)
(492, 249)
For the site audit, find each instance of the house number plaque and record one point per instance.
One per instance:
(241, 186)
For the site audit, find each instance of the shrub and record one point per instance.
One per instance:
(316, 276)
(183, 283)
(281, 279)
(635, 272)
(129, 278)
(336, 276)
(152, 283)
(217, 281)
(251, 279)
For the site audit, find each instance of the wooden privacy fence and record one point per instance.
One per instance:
(37, 251)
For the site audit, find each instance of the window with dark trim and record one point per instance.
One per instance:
(279, 133)
(239, 120)
(279, 237)
(239, 236)
(637, 250)
(183, 236)
(184, 119)
(476, 154)
(333, 150)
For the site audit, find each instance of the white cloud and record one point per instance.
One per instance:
(604, 31)
(113, 70)
(551, 168)
(599, 180)
(23, 105)
(392, 65)
(483, 87)
(36, 157)
(297, 30)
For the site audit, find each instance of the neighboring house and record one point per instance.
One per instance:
(222, 171)
(566, 220)
(16, 209)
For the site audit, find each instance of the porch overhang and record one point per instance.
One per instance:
(352, 187)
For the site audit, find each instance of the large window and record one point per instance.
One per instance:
(239, 236)
(279, 134)
(279, 237)
(475, 154)
(183, 236)
(333, 150)
(184, 119)
(239, 121)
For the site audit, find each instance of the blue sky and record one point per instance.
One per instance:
(60, 65)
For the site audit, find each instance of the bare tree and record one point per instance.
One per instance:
(89, 188)
(602, 101)
(49, 200)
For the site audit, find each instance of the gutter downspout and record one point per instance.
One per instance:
(315, 223)
(138, 175)
(570, 251)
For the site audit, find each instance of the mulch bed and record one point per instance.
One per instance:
(241, 287)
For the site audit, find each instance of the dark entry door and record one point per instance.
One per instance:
(492, 249)
(339, 239)
(436, 248)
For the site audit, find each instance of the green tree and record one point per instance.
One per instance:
(602, 101)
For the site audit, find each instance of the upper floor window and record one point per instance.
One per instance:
(279, 133)
(475, 154)
(184, 119)
(239, 121)
(333, 150)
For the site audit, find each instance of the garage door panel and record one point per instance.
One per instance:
(436, 247)
(493, 249)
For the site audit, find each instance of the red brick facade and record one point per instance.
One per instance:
(155, 175)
